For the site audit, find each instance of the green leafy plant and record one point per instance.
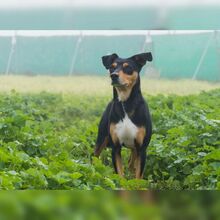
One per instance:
(46, 142)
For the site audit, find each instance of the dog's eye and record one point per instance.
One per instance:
(128, 70)
(112, 67)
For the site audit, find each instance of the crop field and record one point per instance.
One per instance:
(48, 129)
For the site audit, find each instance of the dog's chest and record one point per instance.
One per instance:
(126, 131)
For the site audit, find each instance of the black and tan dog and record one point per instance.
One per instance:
(126, 120)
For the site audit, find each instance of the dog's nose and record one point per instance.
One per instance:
(114, 76)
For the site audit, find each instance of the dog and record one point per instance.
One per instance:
(126, 120)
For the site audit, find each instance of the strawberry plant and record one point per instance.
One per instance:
(46, 142)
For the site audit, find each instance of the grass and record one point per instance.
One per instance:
(87, 85)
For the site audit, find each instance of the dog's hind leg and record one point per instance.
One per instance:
(100, 147)
(103, 137)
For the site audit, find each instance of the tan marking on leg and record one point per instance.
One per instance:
(140, 135)
(99, 149)
(131, 163)
(138, 174)
(118, 159)
(139, 142)
(119, 166)
(113, 134)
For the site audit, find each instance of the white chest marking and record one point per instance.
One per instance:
(126, 131)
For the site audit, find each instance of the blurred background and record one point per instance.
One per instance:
(188, 54)
(182, 35)
(109, 205)
(109, 14)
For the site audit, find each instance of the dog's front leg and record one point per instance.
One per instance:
(140, 162)
(116, 159)
(140, 148)
(116, 151)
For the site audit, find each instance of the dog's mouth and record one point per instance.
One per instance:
(118, 84)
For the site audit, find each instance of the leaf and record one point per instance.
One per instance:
(214, 155)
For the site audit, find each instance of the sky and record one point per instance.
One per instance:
(95, 3)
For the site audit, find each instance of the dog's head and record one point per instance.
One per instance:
(124, 72)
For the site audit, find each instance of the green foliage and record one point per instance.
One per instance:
(46, 142)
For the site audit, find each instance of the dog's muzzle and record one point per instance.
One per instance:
(115, 79)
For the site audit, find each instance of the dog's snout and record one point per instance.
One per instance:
(114, 76)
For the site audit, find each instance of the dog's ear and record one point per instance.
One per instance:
(108, 60)
(142, 58)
